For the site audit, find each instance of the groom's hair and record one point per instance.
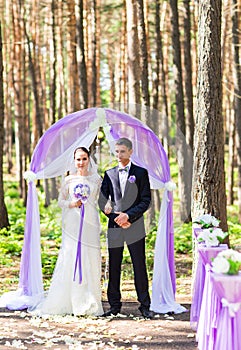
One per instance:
(124, 141)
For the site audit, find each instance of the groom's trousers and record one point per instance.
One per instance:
(137, 253)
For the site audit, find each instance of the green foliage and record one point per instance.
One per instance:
(183, 239)
(11, 239)
(10, 246)
(234, 235)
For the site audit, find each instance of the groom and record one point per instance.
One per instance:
(125, 195)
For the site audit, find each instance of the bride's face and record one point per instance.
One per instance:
(81, 160)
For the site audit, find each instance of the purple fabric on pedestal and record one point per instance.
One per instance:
(205, 256)
(197, 294)
(228, 330)
(209, 314)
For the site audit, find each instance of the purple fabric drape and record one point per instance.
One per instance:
(56, 147)
(31, 254)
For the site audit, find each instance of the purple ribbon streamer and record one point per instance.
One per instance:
(78, 253)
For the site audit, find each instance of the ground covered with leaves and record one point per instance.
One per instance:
(128, 330)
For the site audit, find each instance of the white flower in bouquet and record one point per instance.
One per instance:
(207, 220)
(215, 222)
(227, 261)
(220, 265)
(231, 254)
(219, 233)
(208, 237)
(212, 237)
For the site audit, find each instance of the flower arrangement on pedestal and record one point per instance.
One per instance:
(207, 221)
(227, 262)
(212, 236)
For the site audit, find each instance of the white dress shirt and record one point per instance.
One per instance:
(123, 176)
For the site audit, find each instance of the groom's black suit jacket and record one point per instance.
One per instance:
(135, 202)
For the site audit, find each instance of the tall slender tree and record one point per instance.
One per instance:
(237, 90)
(144, 64)
(3, 210)
(208, 171)
(74, 85)
(133, 59)
(159, 83)
(81, 56)
(183, 151)
(188, 75)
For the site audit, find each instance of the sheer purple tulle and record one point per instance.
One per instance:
(53, 156)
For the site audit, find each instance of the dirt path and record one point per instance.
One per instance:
(128, 331)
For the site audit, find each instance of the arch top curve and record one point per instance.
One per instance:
(53, 154)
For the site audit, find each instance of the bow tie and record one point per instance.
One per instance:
(124, 169)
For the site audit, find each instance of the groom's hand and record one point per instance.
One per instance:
(122, 219)
(127, 225)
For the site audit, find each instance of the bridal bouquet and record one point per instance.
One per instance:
(212, 237)
(227, 262)
(207, 220)
(82, 192)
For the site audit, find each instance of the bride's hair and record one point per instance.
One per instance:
(83, 149)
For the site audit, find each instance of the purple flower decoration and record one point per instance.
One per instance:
(82, 192)
(132, 179)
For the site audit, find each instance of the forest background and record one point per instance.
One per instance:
(174, 65)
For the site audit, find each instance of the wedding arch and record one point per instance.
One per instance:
(53, 156)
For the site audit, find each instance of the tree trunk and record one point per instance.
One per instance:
(8, 115)
(237, 92)
(35, 87)
(208, 172)
(81, 58)
(146, 118)
(18, 82)
(183, 151)
(123, 60)
(3, 210)
(231, 157)
(73, 91)
(61, 91)
(111, 66)
(161, 124)
(134, 98)
(188, 75)
(98, 52)
(93, 94)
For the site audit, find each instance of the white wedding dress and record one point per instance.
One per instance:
(66, 296)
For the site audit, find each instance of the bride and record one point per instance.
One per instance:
(76, 283)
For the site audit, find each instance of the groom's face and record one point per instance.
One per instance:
(123, 154)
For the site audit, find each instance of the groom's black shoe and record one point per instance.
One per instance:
(146, 313)
(111, 312)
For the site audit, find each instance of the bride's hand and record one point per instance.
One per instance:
(75, 204)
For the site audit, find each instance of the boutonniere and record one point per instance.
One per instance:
(132, 179)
